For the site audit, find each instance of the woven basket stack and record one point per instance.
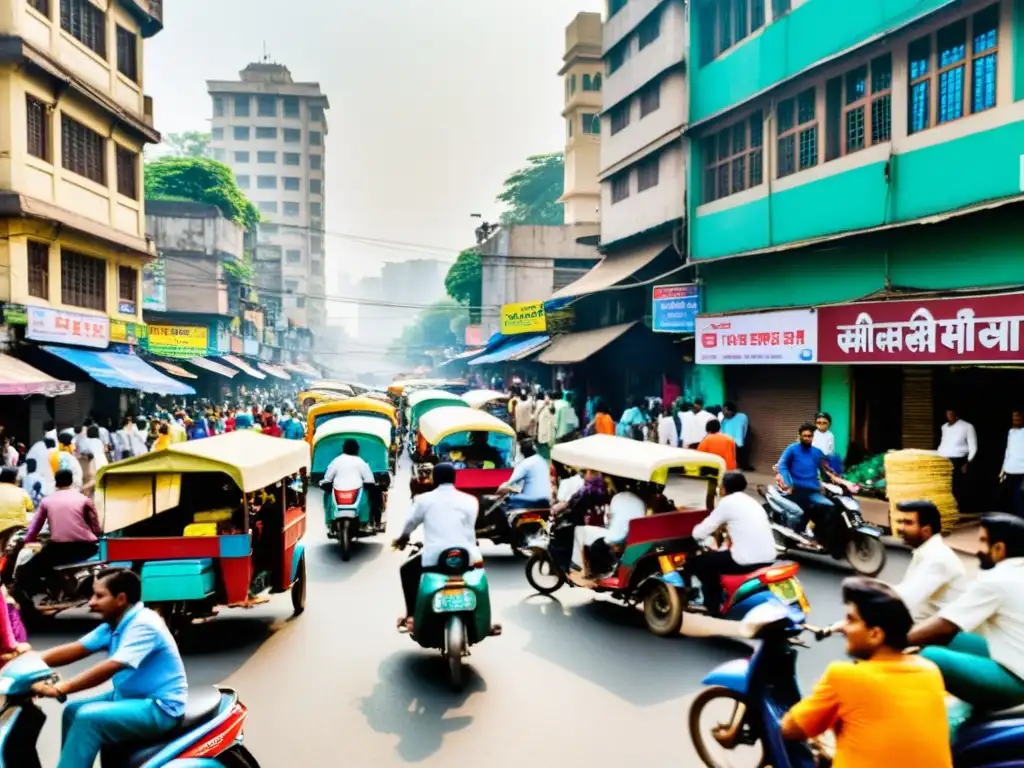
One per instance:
(914, 475)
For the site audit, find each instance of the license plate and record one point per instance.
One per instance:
(789, 592)
(454, 601)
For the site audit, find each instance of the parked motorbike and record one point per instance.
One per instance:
(841, 533)
(209, 735)
(760, 690)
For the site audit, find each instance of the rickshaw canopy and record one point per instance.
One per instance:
(355, 425)
(354, 405)
(445, 421)
(329, 385)
(423, 395)
(371, 433)
(636, 460)
(398, 387)
(478, 398)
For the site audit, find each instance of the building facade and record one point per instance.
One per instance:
(583, 74)
(272, 132)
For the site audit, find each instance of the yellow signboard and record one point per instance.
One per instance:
(179, 340)
(525, 317)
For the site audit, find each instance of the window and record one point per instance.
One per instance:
(798, 133)
(724, 23)
(241, 157)
(266, 182)
(292, 158)
(127, 54)
(38, 270)
(268, 206)
(242, 106)
(266, 106)
(218, 106)
(858, 108)
(316, 210)
(316, 162)
(241, 132)
(37, 128)
(647, 173)
(591, 124)
(740, 21)
(780, 8)
(300, 302)
(943, 72)
(43, 6)
(86, 23)
(127, 172)
(620, 187)
(597, 82)
(266, 157)
(268, 229)
(572, 84)
(291, 106)
(83, 281)
(217, 134)
(650, 99)
(291, 209)
(293, 257)
(614, 6)
(219, 153)
(316, 138)
(588, 84)
(733, 158)
(291, 286)
(649, 29)
(756, 14)
(84, 151)
(708, 41)
(316, 244)
(242, 181)
(619, 117)
(316, 113)
(291, 183)
(292, 135)
(618, 56)
(266, 133)
(316, 187)
(128, 286)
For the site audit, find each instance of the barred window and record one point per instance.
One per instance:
(86, 23)
(83, 281)
(37, 128)
(620, 187)
(647, 173)
(38, 269)
(127, 55)
(797, 132)
(83, 150)
(127, 285)
(127, 172)
(733, 158)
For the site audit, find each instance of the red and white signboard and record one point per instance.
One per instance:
(768, 338)
(970, 329)
(60, 327)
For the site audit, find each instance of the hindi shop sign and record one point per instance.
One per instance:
(525, 317)
(970, 329)
(674, 308)
(769, 338)
(179, 340)
(59, 327)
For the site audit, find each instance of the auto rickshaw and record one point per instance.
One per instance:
(209, 523)
(348, 513)
(341, 387)
(489, 401)
(423, 401)
(356, 406)
(310, 398)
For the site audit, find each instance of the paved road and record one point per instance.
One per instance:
(577, 675)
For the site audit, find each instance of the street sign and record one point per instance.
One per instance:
(675, 307)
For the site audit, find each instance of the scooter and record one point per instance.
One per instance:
(519, 528)
(844, 534)
(453, 609)
(760, 690)
(209, 735)
(347, 515)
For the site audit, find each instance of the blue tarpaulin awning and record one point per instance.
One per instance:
(121, 371)
(513, 349)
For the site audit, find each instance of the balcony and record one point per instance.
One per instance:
(149, 14)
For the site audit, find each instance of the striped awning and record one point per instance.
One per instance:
(273, 370)
(19, 378)
(174, 370)
(213, 367)
(243, 366)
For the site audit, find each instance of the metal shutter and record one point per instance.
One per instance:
(38, 414)
(776, 400)
(918, 419)
(71, 410)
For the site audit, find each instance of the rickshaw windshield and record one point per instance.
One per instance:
(477, 450)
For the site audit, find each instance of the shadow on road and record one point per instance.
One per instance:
(412, 700)
(325, 563)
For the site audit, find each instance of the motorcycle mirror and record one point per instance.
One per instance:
(762, 616)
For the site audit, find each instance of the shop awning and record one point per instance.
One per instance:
(243, 366)
(174, 370)
(302, 369)
(572, 348)
(121, 371)
(612, 270)
(213, 367)
(274, 371)
(18, 378)
(464, 357)
(513, 350)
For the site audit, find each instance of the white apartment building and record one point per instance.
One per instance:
(272, 132)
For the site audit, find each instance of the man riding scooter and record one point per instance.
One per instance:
(800, 469)
(350, 472)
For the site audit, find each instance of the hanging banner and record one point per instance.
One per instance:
(766, 338)
(179, 340)
(674, 308)
(524, 317)
(55, 326)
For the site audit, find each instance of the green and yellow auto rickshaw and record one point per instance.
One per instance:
(422, 402)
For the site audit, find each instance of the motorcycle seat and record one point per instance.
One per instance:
(202, 706)
(732, 582)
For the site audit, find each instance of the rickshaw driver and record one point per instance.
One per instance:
(349, 472)
(480, 451)
(535, 475)
(595, 549)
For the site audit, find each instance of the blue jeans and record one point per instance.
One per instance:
(810, 501)
(91, 724)
(518, 502)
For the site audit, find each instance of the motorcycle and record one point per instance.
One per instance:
(453, 609)
(519, 528)
(842, 533)
(760, 690)
(209, 735)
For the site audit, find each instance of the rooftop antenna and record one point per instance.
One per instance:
(266, 56)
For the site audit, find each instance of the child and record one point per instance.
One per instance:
(825, 441)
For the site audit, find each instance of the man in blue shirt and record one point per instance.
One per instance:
(535, 475)
(800, 469)
(143, 662)
(735, 425)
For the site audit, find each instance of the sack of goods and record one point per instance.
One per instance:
(914, 475)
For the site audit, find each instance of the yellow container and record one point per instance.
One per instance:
(201, 529)
(914, 475)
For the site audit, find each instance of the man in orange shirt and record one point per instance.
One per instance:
(719, 443)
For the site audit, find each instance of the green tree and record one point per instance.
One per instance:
(436, 327)
(464, 282)
(200, 180)
(531, 193)
(187, 144)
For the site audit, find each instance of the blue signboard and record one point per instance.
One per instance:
(675, 308)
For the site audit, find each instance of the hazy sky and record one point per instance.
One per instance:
(433, 102)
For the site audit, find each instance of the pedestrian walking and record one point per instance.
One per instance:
(959, 444)
(736, 425)
(1012, 474)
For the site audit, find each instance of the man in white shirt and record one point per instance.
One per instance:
(936, 576)
(695, 424)
(595, 548)
(448, 517)
(667, 432)
(1012, 473)
(750, 534)
(350, 472)
(959, 444)
(535, 475)
(982, 663)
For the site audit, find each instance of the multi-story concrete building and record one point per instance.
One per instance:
(582, 72)
(860, 164)
(74, 118)
(272, 131)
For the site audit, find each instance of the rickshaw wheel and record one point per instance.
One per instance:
(299, 588)
(538, 561)
(663, 609)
